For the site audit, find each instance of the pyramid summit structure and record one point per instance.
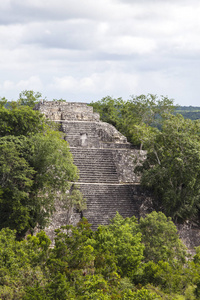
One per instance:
(105, 160)
(106, 163)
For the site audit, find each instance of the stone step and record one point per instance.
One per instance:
(98, 180)
(97, 177)
(90, 152)
(92, 172)
(95, 165)
(103, 201)
(92, 160)
(96, 169)
(94, 134)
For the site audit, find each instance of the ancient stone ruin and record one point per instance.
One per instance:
(106, 162)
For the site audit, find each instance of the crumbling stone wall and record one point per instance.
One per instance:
(58, 110)
(190, 236)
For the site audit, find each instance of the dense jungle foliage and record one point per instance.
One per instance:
(127, 259)
(123, 260)
(36, 166)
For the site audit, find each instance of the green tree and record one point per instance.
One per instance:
(50, 157)
(170, 280)
(141, 294)
(165, 256)
(16, 179)
(72, 259)
(21, 263)
(73, 250)
(137, 117)
(122, 240)
(31, 269)
(89, 262)
(171, 169)
(21, 121)
(161, 240)
(3, 102)
(34, 172)
(36, 168)
(29, 98)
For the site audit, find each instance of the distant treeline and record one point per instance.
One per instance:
(189, 112)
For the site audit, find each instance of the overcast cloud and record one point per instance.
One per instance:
(84, 50)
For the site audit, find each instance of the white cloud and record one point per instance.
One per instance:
(32, 83)
(84, 48)
(7, 85)
(11, 35)
(28, 11)
(106, 83)
(6, 4)
(127, 45)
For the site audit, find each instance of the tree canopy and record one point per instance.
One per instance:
(29, 98)
(36, 168)
(134, 116)
(160, 237)
(172, 167)
(115, 262)
(21, 120)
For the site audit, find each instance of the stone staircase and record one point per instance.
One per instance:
(104, 200)
(101, 155)
(93, 134)
(95, 165)
(75, 133)
(105, 161)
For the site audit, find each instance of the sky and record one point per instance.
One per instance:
(84, 50)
